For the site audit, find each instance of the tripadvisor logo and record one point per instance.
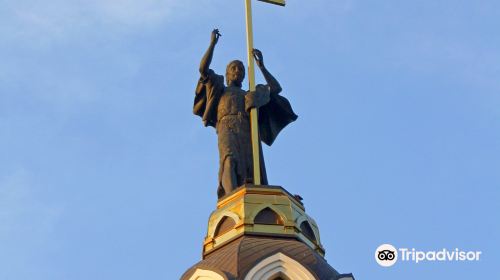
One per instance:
(387, 255)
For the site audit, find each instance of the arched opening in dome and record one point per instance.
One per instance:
(279, 266)
(226, 224)
(201, 274)
(307, 230)
(268, 217)
(280, 276)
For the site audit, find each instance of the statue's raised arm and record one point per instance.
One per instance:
(207, 58)
(210, 86)
(273, 84)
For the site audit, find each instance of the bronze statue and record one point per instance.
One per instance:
(226, 107)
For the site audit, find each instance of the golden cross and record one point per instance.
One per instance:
(254, 122)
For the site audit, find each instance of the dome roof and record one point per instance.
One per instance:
(235, 259)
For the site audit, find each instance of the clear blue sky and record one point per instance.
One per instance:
(105, 173)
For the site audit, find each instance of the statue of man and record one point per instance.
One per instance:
(227, 107)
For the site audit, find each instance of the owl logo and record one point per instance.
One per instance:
(386, 255)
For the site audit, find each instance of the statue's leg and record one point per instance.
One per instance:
(229, 155)
(229, 179)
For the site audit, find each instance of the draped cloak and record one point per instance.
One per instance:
(274, 115)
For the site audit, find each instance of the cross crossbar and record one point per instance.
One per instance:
(276, 2)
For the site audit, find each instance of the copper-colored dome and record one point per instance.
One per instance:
(235, 259)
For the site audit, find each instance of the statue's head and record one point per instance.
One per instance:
(235, 73)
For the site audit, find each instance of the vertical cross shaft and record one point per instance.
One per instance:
(254, 122)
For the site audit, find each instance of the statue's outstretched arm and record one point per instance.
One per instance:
(273, 84)
(207, 58)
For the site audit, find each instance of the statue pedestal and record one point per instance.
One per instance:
(261, 211)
